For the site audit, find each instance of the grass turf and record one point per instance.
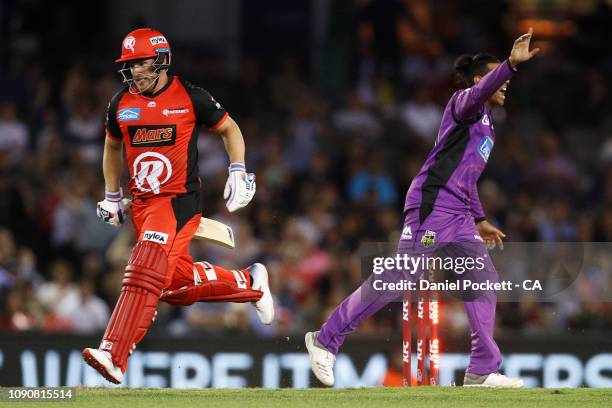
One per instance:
(330, 398)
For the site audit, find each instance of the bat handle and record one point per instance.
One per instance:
(127, 204)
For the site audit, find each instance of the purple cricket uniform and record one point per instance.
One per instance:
(441, 206)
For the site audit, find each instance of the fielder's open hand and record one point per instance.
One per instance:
(520, 51)
(239, 188)
(491, 235)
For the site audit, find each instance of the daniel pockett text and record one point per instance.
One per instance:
(448, 286)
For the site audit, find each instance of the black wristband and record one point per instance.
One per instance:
(480, 219)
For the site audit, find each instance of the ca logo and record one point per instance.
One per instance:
(148, 169)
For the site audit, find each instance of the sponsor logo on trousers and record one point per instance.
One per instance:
(155, 236)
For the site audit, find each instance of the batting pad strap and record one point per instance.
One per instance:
(207, 268)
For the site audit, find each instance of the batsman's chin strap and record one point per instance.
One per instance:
(134, 90)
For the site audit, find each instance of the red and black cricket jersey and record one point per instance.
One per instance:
(160, 134)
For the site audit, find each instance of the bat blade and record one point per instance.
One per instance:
(215, 232)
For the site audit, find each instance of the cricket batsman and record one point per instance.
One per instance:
(157, 118)
(442, 206)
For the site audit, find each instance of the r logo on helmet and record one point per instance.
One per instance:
(129, 43)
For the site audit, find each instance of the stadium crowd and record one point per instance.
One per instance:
(333, 162)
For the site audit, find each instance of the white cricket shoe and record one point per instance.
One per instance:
(265, 305)
(493, 380)
(102, 362)
(321, 360)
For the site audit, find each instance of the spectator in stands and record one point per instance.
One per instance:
(51, 293)
(83, 310)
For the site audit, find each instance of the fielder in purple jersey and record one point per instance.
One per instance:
(442, 206)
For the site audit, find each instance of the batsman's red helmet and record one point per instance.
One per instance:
(143, 43)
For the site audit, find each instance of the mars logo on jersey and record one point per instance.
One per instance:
(152, 135)
(150, 171)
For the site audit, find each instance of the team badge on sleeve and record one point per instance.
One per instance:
(217, 104)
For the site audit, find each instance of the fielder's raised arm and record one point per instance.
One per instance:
(482, 86)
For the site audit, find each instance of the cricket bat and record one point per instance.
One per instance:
(215, 232)
(209, 230)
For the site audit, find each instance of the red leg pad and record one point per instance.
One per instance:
(211, 291)
(212, 283)
(142, 285)
(148, 315)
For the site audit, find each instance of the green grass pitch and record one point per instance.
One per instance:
(446, 397)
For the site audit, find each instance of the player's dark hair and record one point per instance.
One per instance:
(467, 66)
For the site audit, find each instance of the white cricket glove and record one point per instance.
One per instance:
(112, 210)
(239, 188)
